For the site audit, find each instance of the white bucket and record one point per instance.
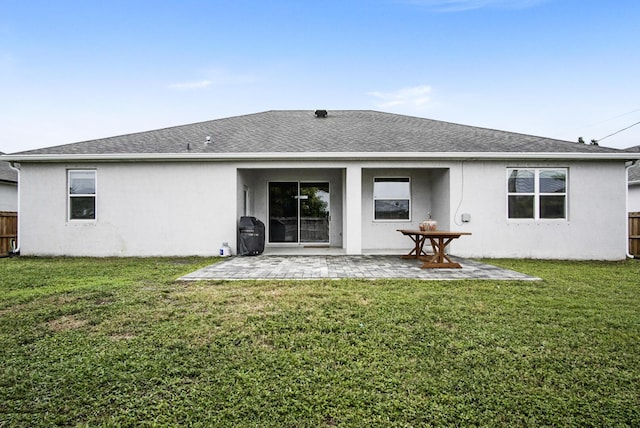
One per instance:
(225, 250)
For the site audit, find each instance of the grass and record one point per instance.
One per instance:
(118, 342)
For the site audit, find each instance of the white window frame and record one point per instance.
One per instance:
(537, 194)
(374, 199)
(84, 195)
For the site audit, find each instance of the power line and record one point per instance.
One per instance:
(616, 117)
(619, 131)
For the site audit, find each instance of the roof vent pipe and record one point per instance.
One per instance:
(321, 113)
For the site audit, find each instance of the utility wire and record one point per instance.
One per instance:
(619, 131)
(616, 117)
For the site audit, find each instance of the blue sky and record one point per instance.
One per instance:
(77, 70)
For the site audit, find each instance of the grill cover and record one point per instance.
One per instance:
(251, 236)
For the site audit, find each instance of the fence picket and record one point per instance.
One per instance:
(634, 233)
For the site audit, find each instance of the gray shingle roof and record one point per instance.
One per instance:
(6, 173)
(343, 131)
(634, 171)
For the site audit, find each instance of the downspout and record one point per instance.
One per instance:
(626, 170)
(15, 247)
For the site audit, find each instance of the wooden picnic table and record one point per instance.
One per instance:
(439, 240)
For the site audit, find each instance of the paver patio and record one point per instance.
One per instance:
(269, 267)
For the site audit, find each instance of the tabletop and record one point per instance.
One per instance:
(432, 233)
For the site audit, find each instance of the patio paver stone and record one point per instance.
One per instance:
(270, 267)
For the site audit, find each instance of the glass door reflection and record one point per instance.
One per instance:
(314, 212)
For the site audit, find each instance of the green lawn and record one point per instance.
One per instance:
(117, 342)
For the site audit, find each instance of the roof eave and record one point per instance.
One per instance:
(317, 156)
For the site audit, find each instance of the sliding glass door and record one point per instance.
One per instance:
(314, 212)
(299, 212)
(283, 212)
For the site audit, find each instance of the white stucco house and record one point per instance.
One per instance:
(346, 180)
(8, 187)
(634, 184)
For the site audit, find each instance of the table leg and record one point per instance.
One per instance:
(439, 255)
(417, 251)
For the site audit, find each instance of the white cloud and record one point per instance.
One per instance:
(417, 96)
(462, 5)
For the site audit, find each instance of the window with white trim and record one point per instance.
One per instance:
(537, 193)
(82, 194)
(392, 198)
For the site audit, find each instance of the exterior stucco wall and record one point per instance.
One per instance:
(8, 197)
(143, 209)
(441, 197)
(595, 228)
(190, 208)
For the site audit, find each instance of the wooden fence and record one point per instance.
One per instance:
(634, 234)
(8, 231)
